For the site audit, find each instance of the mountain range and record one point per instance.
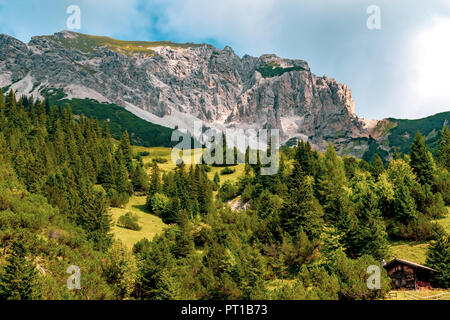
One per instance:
(135, 83)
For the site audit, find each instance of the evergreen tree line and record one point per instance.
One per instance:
(313, 221)
(308, 232)
(70, 160)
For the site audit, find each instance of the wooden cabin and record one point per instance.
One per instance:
(408, 275)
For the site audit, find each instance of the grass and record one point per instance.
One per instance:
(411, 251)
(445, 222)
(87, 43)
(151, 224)
(162, 152)
(418, 294)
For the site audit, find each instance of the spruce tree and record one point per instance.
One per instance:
(2, 111)
(396, 155)
(421, 160)
(125, 148)
(332, 187)
(172, 214)
(155, 180)
(106, 175)
(18, 281)
(370, 237)
(94, 217)
(217, 180)
(300, 211)
(405, 209)
(377, 166)
(10, 103)
(443, 152)
(139, 179)
(438, 258)
(184, 240)
(305, 157)
(121, 173)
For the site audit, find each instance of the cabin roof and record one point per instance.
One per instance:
(408, 263)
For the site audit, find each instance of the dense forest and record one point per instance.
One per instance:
(308, 232)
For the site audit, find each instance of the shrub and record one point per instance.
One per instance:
(129, 221)
(158, 203)
(207, 168)
(228, 191)
(418, 230)
(227, 171)
(160, 160)
(143, 153)
(437, 208)
(116, 199)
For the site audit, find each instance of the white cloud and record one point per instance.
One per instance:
(430, 84)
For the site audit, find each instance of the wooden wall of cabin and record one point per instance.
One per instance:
(402, 277)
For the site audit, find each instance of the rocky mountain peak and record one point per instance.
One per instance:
(173, 84)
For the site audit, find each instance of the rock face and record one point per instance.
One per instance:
(169, 84)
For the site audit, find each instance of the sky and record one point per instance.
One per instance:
(400, 70)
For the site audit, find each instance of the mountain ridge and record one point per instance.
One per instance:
(173, 85)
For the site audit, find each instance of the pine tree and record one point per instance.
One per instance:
(377, 166)
(18, 281)
(217, 180)
(105, 130)
(443, 152)
(155, 180)
(396, 155)
(106, 175)
(371, 236)
(438, 258)
(122, 184)
(172, 214)
(305, 157)
(185, 240)
(125, 148)
(139, 179)
(2, 111)
(404, 205)
(421, 160)
(300, 211)
(94, 217)
(332, 187)
(10, 103)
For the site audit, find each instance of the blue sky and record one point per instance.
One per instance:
(401, 70)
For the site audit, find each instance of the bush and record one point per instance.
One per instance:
(160, 160)
(116, 199)
(421, 229)
(437, 208)
(158, 203)
(442, 183)
(207, 168)
(142, 154)
(353, 277)
(228, 191)
(129, 221)
(227, 171)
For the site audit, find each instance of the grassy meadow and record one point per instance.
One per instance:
(416, 251)
(151, 224)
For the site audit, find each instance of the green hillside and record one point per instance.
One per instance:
(142, 133)
(401, 136)
(87, 43)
